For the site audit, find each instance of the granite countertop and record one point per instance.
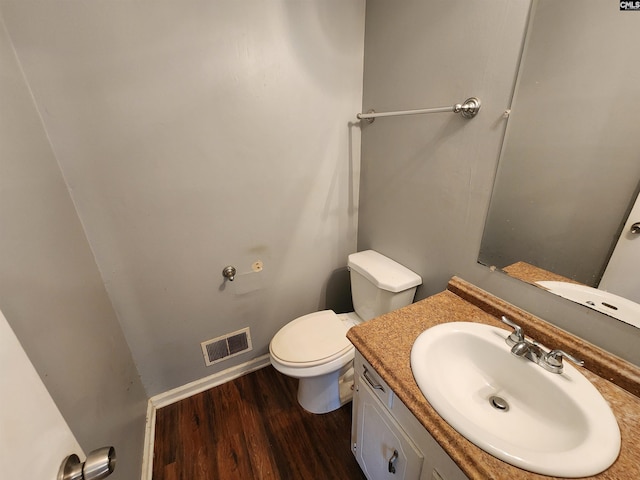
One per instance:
(531, 274)
(385, 342)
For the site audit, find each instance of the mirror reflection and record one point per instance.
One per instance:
(562, 208)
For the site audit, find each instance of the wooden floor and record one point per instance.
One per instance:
(252, 428)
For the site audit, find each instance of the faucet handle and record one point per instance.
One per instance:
(517, 335)
(552, 361)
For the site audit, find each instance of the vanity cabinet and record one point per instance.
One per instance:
(387, 440)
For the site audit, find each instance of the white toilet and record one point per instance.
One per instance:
(314, 348)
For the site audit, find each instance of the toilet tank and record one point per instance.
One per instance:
(379, 284)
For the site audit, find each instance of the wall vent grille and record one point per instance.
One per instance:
(227, 346)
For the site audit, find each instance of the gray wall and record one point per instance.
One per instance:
(427, 180)
(51, 291)
(196, 134)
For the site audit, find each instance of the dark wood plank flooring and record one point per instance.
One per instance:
(252, 428)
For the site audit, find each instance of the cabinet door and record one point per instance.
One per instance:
(382, 449)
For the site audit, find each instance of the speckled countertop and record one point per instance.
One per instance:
(386, 341)
(532, 274)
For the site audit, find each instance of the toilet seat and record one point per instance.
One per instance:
(310, 340)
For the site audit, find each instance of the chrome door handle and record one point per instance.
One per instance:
(635, 228)
(392, 462)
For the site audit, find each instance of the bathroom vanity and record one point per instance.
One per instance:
(387, 440)
(396, 433)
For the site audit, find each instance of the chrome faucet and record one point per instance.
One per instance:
(533, 351)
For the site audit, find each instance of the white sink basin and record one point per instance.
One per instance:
(605, 302)
(555, 424)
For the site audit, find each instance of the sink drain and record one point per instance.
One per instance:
(499, 403)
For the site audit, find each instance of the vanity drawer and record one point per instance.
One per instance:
(371, 377)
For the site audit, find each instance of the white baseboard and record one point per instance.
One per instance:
(197, 386)
(185, 391)
(149, 437)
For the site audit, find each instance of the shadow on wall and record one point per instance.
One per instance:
(337, 292)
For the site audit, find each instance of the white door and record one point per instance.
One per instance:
(621, 275)
(34, 437)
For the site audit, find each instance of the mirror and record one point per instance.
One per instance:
(569, 169)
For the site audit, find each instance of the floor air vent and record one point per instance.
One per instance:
(217, 349)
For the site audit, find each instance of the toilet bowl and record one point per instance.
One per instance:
(314, 348)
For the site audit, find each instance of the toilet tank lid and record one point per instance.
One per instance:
(383, 272)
